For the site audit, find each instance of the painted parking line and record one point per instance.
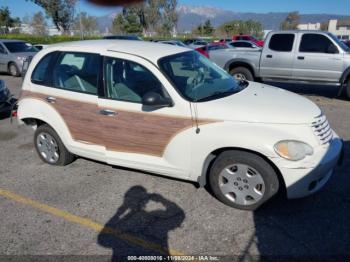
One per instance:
(88, 223)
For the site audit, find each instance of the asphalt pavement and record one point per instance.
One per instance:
(90, 208)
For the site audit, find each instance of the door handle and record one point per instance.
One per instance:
(107, 112)
(301, 57)
(269, 56)
(51, 99)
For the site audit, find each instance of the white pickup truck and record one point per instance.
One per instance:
(312, 57)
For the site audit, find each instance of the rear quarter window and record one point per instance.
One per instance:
(282, 42)
(40, 75)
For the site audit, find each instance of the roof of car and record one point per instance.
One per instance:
(148, 50)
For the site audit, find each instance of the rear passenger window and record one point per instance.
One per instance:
(39, 75)
(77, 72)
(282, 42)
(315, 43)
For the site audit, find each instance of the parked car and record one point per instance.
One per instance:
(123, 37)
(312, 57)
(248, 38)
(204, 50)
(40, 46)
(347, 43)
(195, 43)
(172, 42)
(12, 55)
(242, 44)
(7, 101)
(174, 112)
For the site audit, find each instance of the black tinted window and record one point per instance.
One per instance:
(128, 81)
(77, 72)
(39, 75)
(2, 49)
(241, 44)
(282, 42)
(315, 43)
(20, 47)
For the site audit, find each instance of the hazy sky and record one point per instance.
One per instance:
(22, 7)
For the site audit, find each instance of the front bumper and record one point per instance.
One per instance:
(304, 181)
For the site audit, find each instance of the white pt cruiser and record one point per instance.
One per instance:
(168, 110)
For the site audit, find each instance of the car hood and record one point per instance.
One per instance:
(259, 103)
(24, 54)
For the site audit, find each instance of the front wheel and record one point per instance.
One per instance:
(242, 73)
(13, 70)
(243, 180)
(347, 90)
(50, 147)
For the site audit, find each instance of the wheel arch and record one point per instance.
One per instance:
(239, 63)
(345, 76)
(204, 177)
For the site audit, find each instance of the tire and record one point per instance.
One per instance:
(50, 148)
(347, 90)
(242, 73)
(13, 70)
(242, 180)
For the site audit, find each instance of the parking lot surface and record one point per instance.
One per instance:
(90, 208)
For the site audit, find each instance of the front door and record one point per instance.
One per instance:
(317, 59)
(137, 136)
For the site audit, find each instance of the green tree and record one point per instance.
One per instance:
(208, 29)
(85, 24)
(235, 27)
(6, 21)
(291, 22)
(38, 23)
(118, 25)
(61, 12)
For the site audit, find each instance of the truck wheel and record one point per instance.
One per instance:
(242, 73)
(347, 90)
(13, 70)
(50, 148)
(242, 180)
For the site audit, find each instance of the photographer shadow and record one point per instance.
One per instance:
(141, 225)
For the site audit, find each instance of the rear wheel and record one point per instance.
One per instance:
(50, 148)
(243, 180)
(242, 73)
(13, 70)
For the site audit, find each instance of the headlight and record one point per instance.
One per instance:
(293, 150)
(21, 58)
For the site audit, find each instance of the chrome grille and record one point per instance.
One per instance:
(322, 129)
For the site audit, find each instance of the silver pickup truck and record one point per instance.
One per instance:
(312, 57)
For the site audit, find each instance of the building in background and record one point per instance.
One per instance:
(310, 26)
(340, 28)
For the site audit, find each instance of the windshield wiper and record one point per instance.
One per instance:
(217, 94)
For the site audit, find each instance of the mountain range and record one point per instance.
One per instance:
(191, 16)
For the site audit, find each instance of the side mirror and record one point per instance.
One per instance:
(155, 100)
(332, 49)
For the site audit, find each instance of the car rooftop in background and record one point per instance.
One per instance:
(123, 37)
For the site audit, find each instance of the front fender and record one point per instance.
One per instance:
(255, 137)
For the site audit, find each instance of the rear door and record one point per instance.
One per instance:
(318, 59)
(277, 57)
(69, 83)
(3, 58)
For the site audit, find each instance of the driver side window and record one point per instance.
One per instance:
(129, 81)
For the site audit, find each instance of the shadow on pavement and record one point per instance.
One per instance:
(316, 227)
(146, 216)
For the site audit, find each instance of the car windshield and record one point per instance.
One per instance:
(20, 47)
(340, 43)
(197, 79)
